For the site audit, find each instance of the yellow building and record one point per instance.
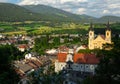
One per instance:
(99, 40)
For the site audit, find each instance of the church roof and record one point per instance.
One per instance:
(100, 37)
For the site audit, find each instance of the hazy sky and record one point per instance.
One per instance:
(95, 8)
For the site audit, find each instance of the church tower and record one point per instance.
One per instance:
(91, 37)
(108, 34)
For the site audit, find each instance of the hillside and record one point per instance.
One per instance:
(57, 13)
(110, 18)
(12, 12)
(60, 14)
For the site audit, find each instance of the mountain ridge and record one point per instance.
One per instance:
(12, 12)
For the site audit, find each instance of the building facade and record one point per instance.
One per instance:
(99, 40)
(81, 62)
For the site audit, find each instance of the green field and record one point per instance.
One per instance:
(41, 27)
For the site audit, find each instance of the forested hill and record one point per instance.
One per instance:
(12, 12)
(58, 14)
(106, 18)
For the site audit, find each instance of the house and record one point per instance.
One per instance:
(60, 63)
(23, 69)
(52, 52)
(63, 49)
(28, 56)
(84, 63)
(26, 66)
(44, 60)
(23, 47)
(80, 48)
(98, 41)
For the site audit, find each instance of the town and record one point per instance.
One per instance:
(69, 63)
(59, 42)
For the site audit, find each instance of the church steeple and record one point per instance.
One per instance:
(91, 26)
(91, 36)
(108, 33)
(108, 26)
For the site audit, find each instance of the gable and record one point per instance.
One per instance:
(100, 38)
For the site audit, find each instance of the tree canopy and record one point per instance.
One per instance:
(7, 73)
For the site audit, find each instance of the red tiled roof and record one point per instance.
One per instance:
(102, 36)
(62, 57)
(85, 58)
(23, 46)
(79, 58)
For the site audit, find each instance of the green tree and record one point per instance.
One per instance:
(7, 72)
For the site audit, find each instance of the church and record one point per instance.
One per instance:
(96, 42)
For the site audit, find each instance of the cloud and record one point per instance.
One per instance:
(81, 11)
(35, 2)
(95, 8)
(112, 6)
(68, 10)
(3, 0)
(65, 1)
(106, 11)
(49, 2)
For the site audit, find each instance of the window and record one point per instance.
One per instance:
(76, 66)
(86, 66)
(90, 34)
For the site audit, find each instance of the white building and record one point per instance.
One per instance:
(28, 56)
(52, 51)
(81, 62)
(80, 48)
(23, 47)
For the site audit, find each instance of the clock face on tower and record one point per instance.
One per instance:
(90, 33)
(107, 33)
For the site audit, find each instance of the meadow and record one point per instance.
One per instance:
(41, 27)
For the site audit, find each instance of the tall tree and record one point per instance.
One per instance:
(7, 73)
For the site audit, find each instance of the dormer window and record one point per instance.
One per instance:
(69, 58)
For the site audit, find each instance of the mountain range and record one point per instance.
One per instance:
(12, 12)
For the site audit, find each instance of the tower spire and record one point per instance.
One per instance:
(108, 25)
(91, 26)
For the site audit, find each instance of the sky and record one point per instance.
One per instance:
(96, 8)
